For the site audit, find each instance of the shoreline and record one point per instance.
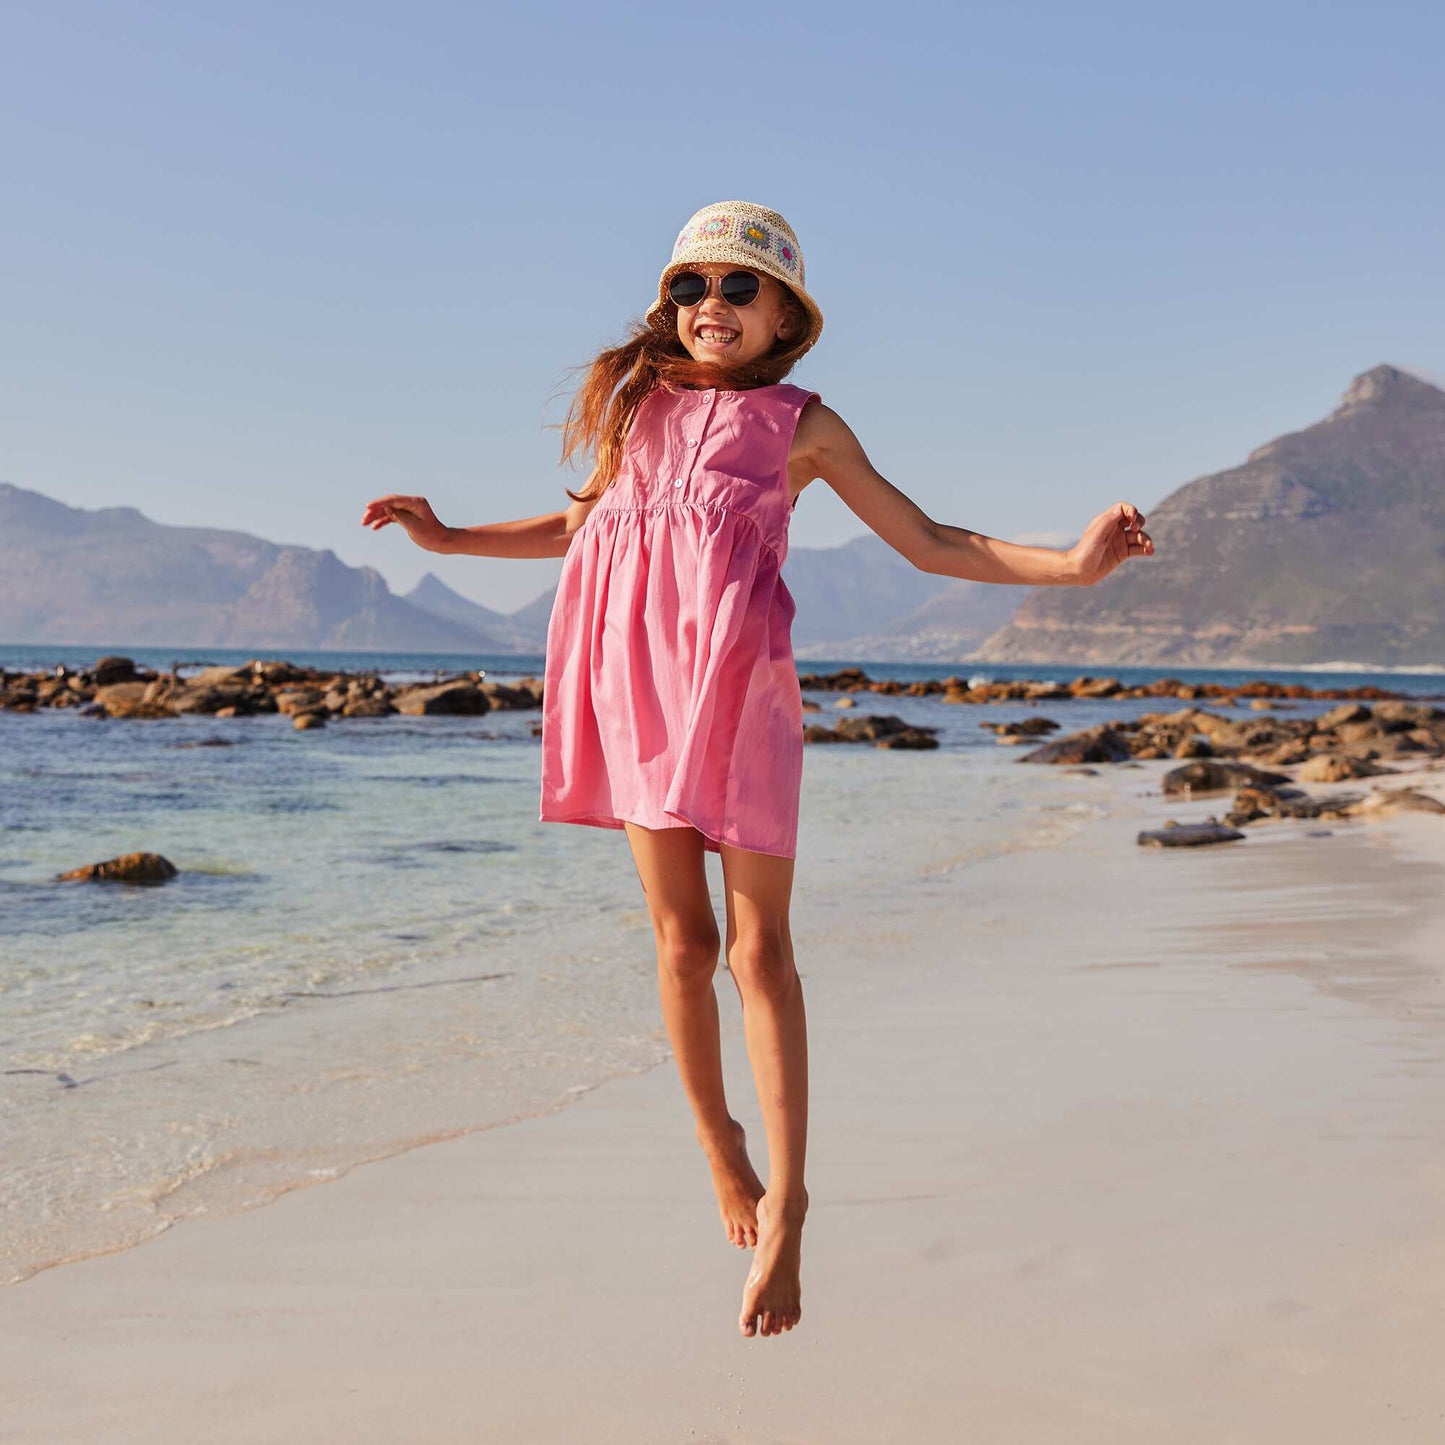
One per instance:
(1156, 1162)
(371, 1061)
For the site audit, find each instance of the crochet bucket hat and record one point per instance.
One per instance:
(741, 233)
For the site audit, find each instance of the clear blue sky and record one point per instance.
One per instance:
(262, 262)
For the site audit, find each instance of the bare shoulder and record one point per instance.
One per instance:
(821, 433)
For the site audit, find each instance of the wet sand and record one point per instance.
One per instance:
(1107, 1145)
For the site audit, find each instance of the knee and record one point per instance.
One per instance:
(688, 954)
(763, 966)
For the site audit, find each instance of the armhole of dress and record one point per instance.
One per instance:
(808, 399)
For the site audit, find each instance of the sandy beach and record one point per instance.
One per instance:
(1107, 1145)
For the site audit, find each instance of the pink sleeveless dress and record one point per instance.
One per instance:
(670, 696)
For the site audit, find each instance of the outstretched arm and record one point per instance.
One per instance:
(826, 447)
(546, 536)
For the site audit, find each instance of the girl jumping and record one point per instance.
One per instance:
(671, 706)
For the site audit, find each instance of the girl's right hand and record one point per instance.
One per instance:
(412, 513)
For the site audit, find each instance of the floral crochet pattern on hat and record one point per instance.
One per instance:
(757, 235)
(739, 233)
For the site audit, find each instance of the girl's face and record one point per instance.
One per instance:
(734, 335)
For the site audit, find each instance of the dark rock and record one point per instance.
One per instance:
(109, 670)
(1095, 745)
(519, 696)
(871, 727)
(910, 738)
(129, 868)
(303, 720)
(1189, 835)
(458, 698)
(1251, 803)
(1211, 775)
(1027, 728)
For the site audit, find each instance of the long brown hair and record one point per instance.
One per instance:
(618, 378)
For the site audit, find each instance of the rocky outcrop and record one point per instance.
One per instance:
(883, 731)
(256, 687)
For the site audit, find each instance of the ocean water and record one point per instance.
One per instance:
(373, 942)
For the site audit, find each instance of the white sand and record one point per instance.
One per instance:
(1108, 1145)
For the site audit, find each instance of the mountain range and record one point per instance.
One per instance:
(1325, 545)
(113, 577)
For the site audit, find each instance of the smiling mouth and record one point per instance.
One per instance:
(711, 336)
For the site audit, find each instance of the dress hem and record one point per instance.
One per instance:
(607, 820)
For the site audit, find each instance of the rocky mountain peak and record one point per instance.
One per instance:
(1388, 386)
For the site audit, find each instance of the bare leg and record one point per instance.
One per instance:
(760, 956)
(672, 869)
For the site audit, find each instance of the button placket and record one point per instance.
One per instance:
(694, 428)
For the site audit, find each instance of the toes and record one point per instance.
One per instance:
(747, 1327)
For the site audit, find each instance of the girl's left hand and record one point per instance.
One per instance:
(1111, 538)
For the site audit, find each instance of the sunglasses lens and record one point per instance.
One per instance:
(687, 288)
(740, 288)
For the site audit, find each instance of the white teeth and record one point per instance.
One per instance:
(721, 337)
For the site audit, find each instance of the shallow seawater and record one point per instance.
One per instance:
(373, 941)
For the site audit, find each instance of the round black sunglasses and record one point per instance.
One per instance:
(737, 288)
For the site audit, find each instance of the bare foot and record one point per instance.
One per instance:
(736, 1184)
(773, 1295)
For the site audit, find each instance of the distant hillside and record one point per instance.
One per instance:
(114, 577)
(1327, 545)
(522, 631)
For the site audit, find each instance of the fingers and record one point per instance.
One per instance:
(382, 510)
(1137, 542)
